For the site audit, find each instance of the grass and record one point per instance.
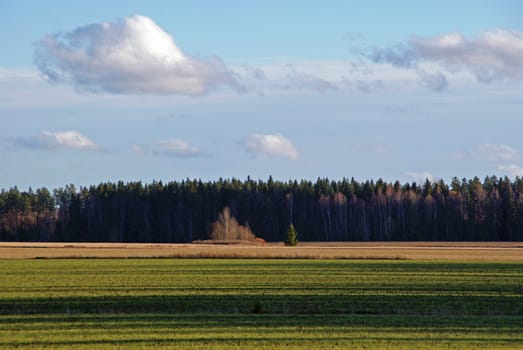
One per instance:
(472, 251)
(260, 303)
(206, 331)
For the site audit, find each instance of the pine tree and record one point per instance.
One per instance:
(292, 237)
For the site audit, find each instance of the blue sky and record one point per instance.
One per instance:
(132, 90)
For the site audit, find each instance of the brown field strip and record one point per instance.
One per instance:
(472, 251)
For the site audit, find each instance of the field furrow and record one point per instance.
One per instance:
(263, 303)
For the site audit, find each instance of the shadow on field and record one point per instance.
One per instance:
(272, 304)
(266, 323)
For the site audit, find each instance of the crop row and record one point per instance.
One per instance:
(260, 331)
(262, 286)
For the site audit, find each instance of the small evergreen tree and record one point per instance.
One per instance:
(292, 237)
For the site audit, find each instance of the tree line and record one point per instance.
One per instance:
(321, 210)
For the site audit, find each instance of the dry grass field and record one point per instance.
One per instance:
(445, 251)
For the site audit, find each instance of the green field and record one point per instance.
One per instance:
(192, 303)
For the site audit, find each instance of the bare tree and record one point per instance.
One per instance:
(245, 233)
(326, 214)
(226, 227)
(339, 201)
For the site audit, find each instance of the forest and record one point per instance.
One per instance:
(324, 210)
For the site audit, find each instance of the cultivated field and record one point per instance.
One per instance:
(260, 303)
(473, 251)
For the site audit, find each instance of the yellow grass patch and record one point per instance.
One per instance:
(472, 251)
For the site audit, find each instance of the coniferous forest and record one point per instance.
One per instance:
(324, 210)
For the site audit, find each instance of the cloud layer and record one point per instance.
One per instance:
(512, 170)
(498, 152)
(134, 56)
(420, 177)
(48, 140)
(270, 145)
(299, 80)
(493, 55)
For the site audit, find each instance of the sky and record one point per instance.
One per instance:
(94, 91)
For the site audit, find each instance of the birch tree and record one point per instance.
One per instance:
(226, 227)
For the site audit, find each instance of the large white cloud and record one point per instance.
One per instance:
(133, 55)
(48, 140)
(270, 145)
(494, 54)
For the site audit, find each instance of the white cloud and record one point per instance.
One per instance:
(270, 145)
(373, 149)
(178, 148)
(48, 140)
(497, 152)
(134, 55)
(420, 177)
(511, 170)
(494, 54)
(139, 149)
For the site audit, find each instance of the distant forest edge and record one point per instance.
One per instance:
(325, 210)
